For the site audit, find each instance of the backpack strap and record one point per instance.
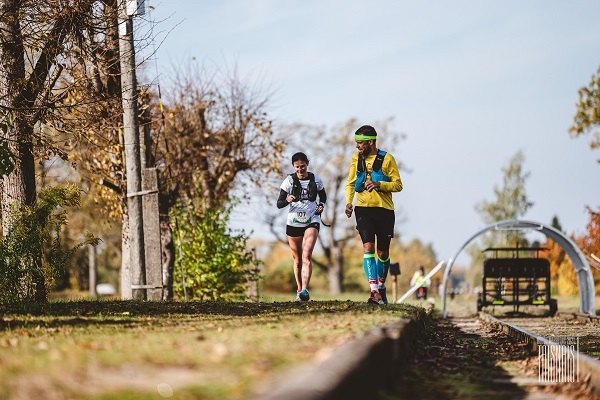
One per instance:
(362, 165)
(376, 173)
(297, 187)
(379, 160)
(312, 187)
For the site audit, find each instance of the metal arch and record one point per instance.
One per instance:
(580, 264)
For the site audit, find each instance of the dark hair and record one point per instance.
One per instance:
(366, 130)
(299, 156)
(421, 268)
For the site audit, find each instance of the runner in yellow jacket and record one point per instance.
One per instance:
(372, 178)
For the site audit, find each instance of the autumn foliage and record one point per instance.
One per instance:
(562, 274)
(590, 242)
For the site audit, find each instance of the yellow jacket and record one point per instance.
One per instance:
(374, 198)
(419, 280)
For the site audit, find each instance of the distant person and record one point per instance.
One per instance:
(418, 279)
(300, 190)
(373, 177)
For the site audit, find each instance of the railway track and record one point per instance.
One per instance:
(484, 357)
(582, 327)
(569, 343)
(593, 319)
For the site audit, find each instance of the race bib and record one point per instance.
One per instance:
(301, 217)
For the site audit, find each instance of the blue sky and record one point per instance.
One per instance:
(469, 82)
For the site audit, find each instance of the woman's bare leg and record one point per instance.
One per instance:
(310, 239)
(296, 248)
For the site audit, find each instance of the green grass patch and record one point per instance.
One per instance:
(98, 349)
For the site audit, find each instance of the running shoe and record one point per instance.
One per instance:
(382, 292)
(375, 298)
(298, 296)
(304, 295)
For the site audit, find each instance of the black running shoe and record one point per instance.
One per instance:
(382, 292)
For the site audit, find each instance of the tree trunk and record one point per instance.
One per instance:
(19, 186)
(335, 272)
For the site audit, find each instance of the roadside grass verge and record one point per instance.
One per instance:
(113, 349)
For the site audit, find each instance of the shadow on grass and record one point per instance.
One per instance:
(12, 323)
(123, 312)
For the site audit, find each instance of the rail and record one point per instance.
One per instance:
(590, 367)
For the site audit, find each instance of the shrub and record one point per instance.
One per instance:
(216, 262)
(26, 270)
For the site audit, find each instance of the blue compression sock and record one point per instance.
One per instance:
(370, 267)
(383, 267)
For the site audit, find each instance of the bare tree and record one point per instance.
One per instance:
(88, 129)
(216, 135)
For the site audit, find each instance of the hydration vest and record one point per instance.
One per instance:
(376, 173)
(297, 187)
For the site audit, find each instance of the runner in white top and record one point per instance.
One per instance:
(302, 212)
(300, 190)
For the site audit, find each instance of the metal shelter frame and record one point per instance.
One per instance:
(580, 264)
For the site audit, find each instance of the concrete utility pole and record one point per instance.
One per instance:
(93, 269)
(137, 273)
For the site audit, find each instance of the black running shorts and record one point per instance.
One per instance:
(297, 231)
(374, 222)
